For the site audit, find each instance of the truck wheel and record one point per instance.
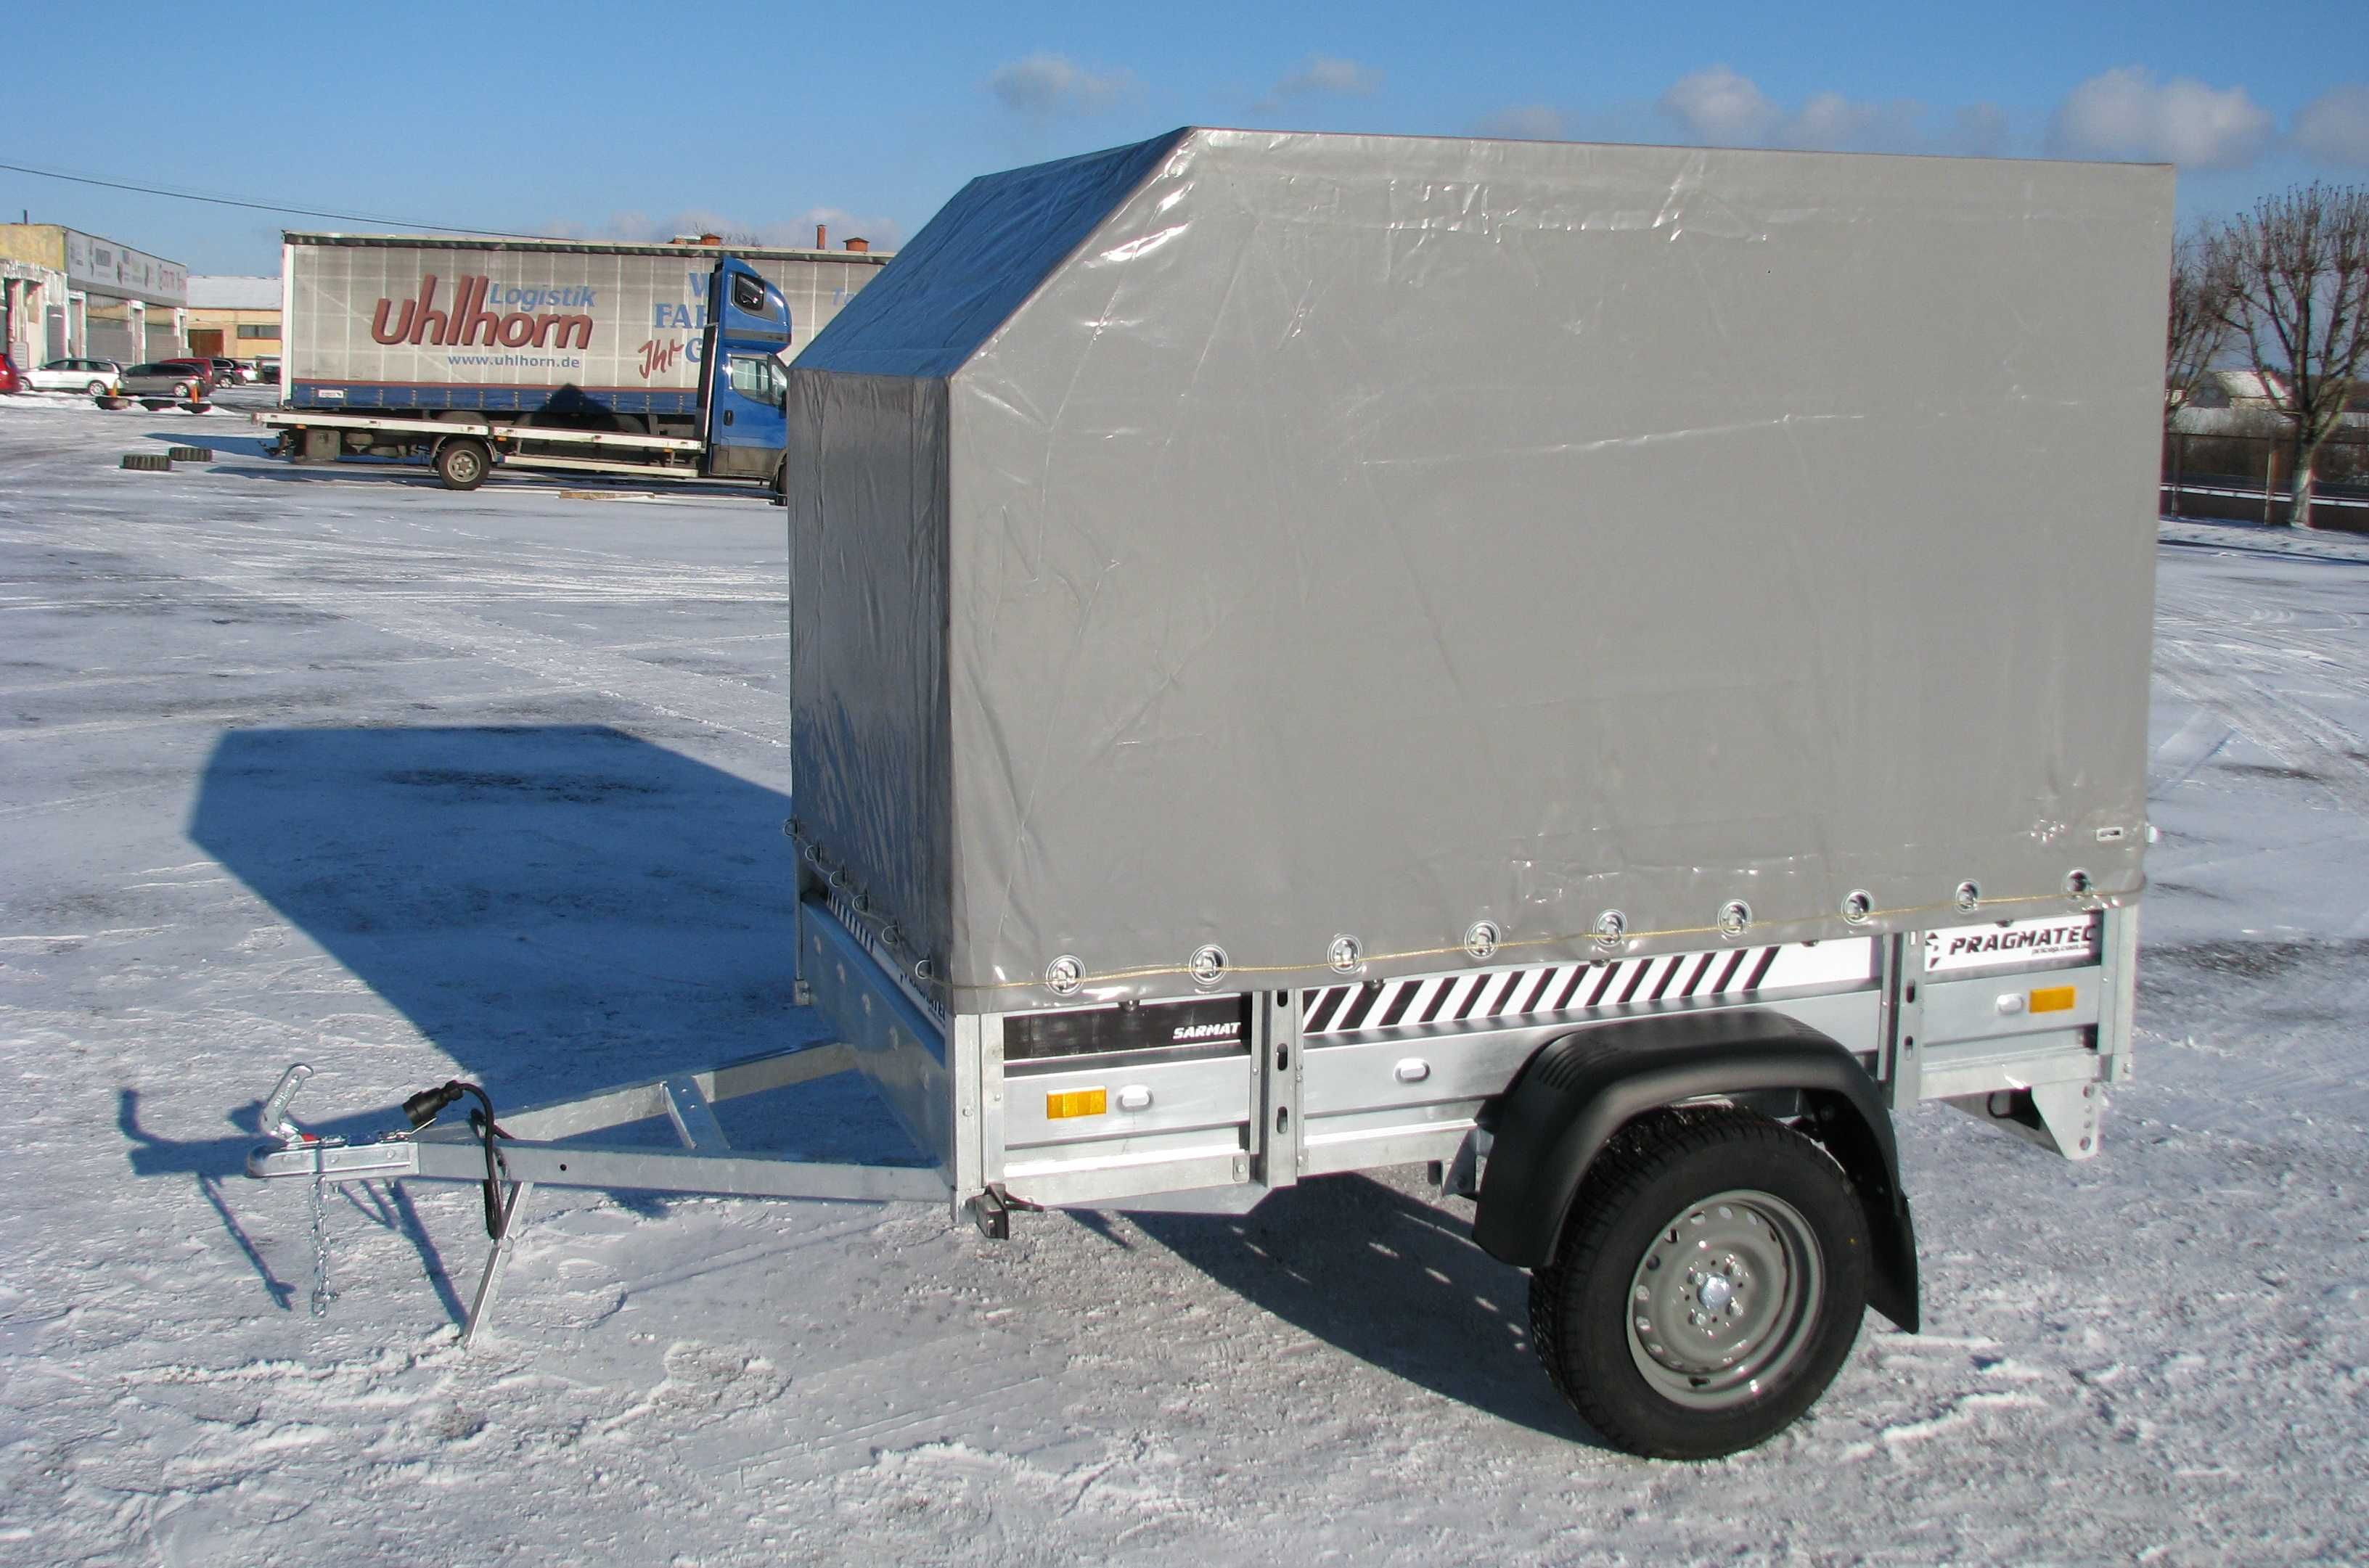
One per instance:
(1708, 1284)
(461, 463)
(782, 483)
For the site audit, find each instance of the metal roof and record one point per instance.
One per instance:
(589, 247)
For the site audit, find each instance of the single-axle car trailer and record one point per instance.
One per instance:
(1313, 653)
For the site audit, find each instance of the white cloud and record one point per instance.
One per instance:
(1718, 104)
(1977, 131)
(1042, 85)
(1322, 75)
(2335, 125)
(1524, 123)
(1328, 74)
(2126, 113)
(1830, 121)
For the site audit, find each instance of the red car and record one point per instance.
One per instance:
(9, 380)
(202, 369)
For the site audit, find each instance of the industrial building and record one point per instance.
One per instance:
(70, 293)
(234, 315)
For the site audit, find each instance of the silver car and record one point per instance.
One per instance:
(91, 376)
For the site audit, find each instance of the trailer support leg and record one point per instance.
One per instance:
(489, 1284)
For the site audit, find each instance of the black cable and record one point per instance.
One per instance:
(258, 206)
(498, 1169)
(429, 1104)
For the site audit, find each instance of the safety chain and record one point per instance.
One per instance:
(321, 1295)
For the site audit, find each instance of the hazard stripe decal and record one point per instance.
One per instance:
(1528, 992)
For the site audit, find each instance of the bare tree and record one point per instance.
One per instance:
(2297, 274)
(2197, 327)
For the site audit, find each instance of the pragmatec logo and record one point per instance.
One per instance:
(470, 323)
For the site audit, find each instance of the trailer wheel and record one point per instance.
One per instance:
(1708, 1285)
(461, 463)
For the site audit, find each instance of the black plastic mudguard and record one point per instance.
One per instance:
(1582, 1088)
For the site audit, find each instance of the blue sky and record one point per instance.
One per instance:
(635, 121)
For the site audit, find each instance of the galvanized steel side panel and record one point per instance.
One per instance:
(907, 1058)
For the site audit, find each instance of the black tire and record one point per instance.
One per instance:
(191, 453)
(148, 461)
(463, 463)
(782, 483)
(185, 391)
(1784, 1207)
(97, 389)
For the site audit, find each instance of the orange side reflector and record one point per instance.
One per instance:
(1086, 1103)
(2055, 999)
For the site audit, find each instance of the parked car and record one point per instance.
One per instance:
(9, 380)
(202, 369)
(173, 378)
(267, 368)
(90, 376)
(229, 372)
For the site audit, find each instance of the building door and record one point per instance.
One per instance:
(205, 342)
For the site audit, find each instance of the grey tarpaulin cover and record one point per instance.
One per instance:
(1252, 539)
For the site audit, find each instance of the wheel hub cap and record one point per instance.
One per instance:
(1725, 1296)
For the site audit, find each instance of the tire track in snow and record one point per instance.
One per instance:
(2317, 749)
(2241, 669)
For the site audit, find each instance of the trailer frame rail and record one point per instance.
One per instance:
(484, 430)
(537, 1146)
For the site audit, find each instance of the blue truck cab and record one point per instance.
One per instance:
(744, 393)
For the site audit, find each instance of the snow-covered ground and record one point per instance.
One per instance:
(342, 766)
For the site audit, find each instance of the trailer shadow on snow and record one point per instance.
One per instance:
(552, 908)
(559, 908)
(1387, 1277)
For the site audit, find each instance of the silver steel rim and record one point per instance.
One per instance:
(463, 463)
(1725, 1298)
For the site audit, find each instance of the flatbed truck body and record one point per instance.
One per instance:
(586, 356)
